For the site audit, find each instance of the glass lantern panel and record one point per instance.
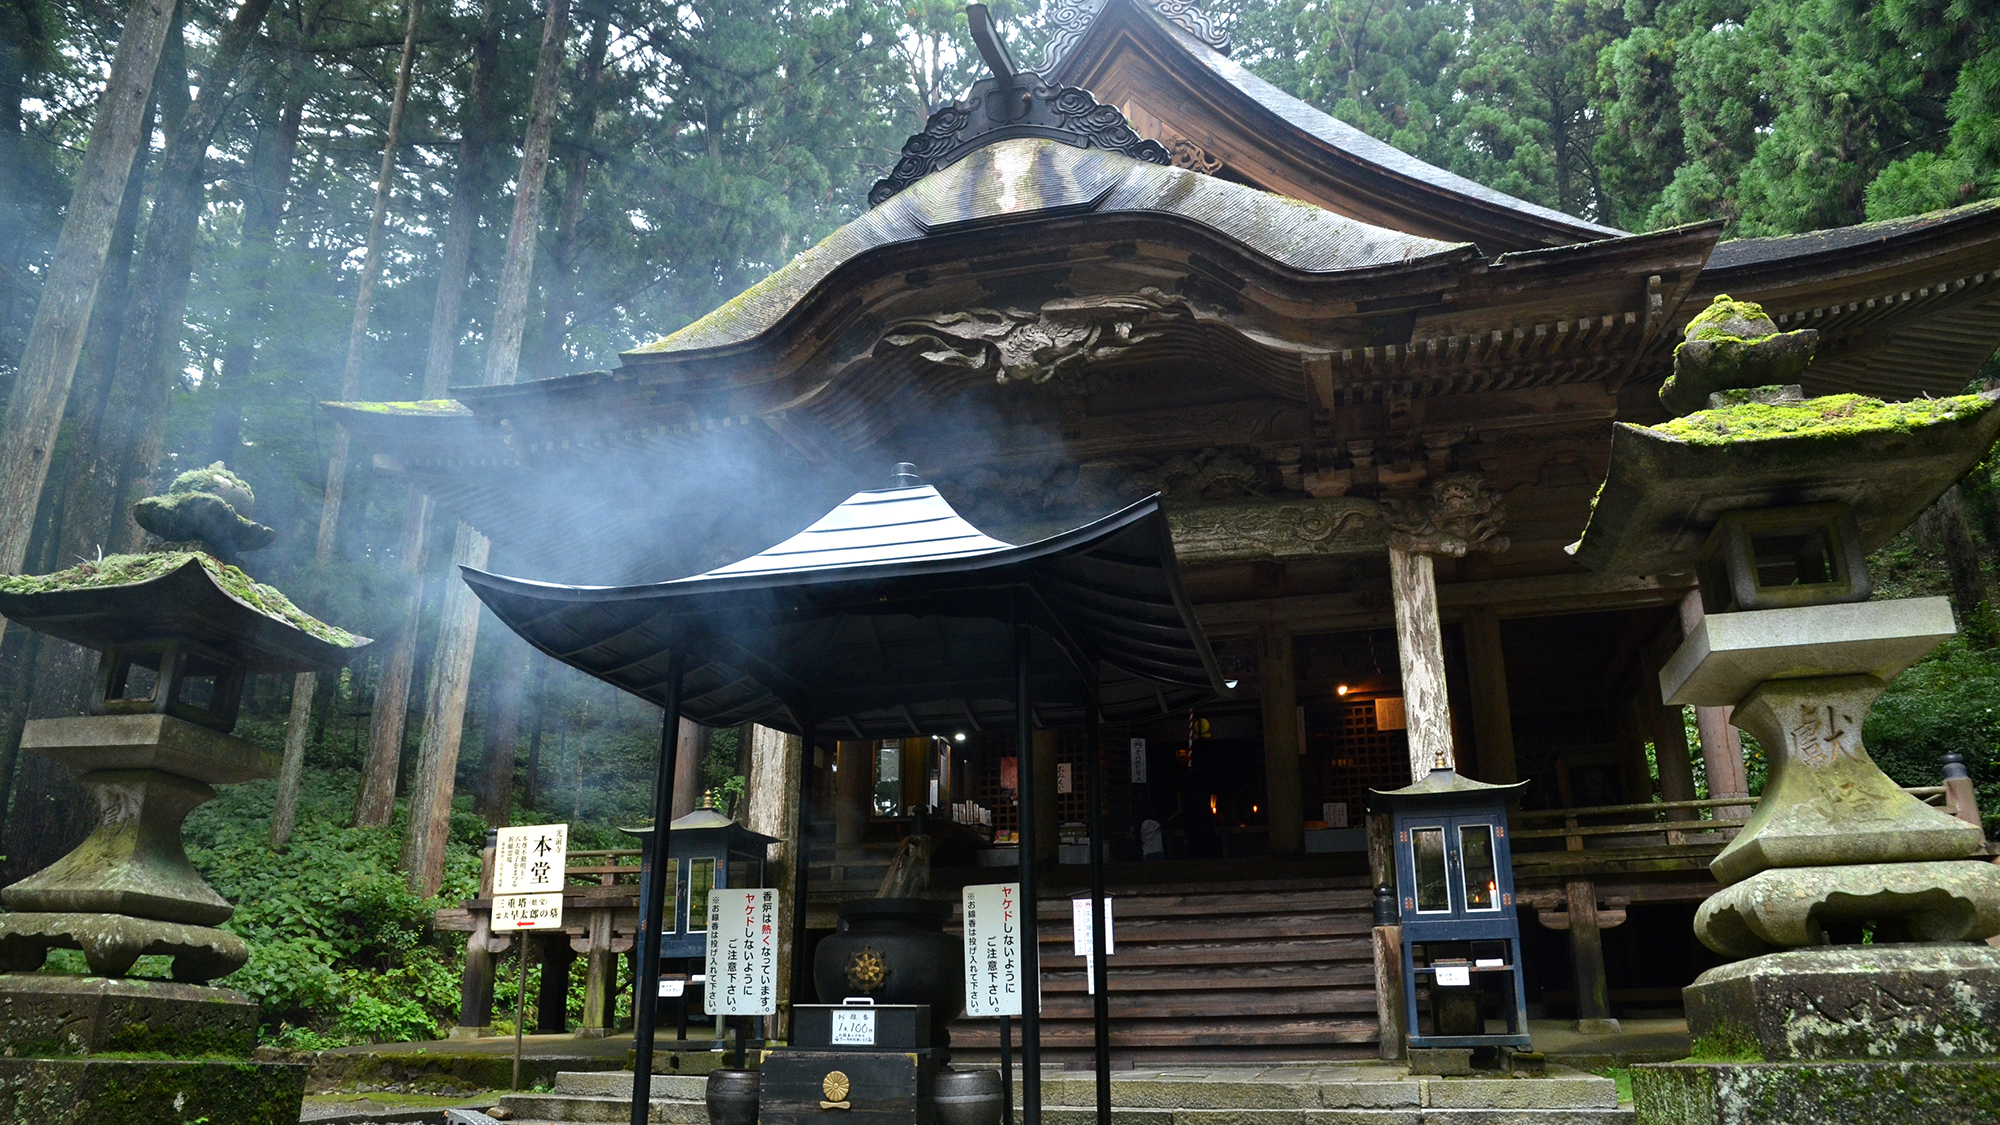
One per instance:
(701, 880)
(1433, 886)
(742, 873)
(889, 778)
(1475, 855)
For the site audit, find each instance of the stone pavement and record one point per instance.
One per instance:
(1292, 1094)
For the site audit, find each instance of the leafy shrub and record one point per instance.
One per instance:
(1948, 703)
(340, 949)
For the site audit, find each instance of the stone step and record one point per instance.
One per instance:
(618, 1084)
(585, 1107)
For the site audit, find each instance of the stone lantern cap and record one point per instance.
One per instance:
(191, 595)
(1670, 484)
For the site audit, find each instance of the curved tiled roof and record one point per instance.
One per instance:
(1756, 251)
(1338, 134)
(1019, 178)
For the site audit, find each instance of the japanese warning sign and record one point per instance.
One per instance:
(993, 984)
(528, 877)
(742, 952)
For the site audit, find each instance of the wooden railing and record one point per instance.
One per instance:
(1661, 820)
(609, 870)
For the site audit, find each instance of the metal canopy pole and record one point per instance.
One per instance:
(657, 881)
(802, 982)
(1100, 1015)
(1031, 953)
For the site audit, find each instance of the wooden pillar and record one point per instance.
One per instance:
(771, 806)
(1492, 717)
(853, 774)
(475, 985)
(552, 999)
(1586, 956)
(687, 768)
(1048, 814)
(1283, 785)
(1721, 746)
(600, 975)
(1669, 733)
(1391, 1034)
(1419, 643)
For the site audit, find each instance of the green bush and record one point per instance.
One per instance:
(1948, 703)
(340, 949)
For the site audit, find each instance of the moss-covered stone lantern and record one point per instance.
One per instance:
(1773, 499)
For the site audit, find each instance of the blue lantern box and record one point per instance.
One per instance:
(1455, 899)
(708, 850)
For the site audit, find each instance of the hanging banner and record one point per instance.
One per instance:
(742, 952)
(1138, 761)
(1081, 925)
(528, 877)
(993, 984)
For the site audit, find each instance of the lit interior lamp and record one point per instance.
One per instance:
(1341, 690)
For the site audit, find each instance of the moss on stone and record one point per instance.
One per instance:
(423, 408)
(1726, 1043)
(126, 570)
(1727, 318)
(1830, 419)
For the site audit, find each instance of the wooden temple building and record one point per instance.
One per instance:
(1138, 269)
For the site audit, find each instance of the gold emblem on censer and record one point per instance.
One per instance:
(835, 1087)
(866, 971)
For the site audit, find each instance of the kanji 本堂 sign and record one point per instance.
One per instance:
(742, 952)
(528, 877)
(993, 984)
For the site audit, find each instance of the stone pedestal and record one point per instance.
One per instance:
(1868, 1034)
(128, 890)
(55, 1032)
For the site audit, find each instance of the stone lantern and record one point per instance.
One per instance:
(179, 629)
(1773, 500)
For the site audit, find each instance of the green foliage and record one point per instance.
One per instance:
(340, 950)
(1949, 703)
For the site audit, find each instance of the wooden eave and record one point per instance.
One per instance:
(1904, 308)
(1171, 85)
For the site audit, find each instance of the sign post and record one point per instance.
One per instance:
(742, 956)
(993, 970)
(527, 895)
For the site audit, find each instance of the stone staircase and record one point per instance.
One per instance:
(606, 1095)
(1334, 1094)
(1223, 971)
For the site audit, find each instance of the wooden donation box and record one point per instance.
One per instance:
(852, 1064)
(1455, 894)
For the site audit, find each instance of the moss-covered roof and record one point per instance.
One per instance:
(130, 570)
(1831, 418)
(1024, 177)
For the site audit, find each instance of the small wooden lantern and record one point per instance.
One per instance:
(708, 850)
(1461, 936)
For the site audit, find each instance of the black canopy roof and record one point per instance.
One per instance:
(892, 616)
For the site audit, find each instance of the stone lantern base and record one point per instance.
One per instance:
(1860, 1034)
(56, 1032)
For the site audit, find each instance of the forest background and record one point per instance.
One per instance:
(320, 206)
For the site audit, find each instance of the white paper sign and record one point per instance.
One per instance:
(1334, 813)
(993, 985)
(1065, 777)
(527, 912)
(673, 988)
(1453, 976)
(1081, 922)
(1138, 761)
(529, 860)
(853, 1027)
(742, 952)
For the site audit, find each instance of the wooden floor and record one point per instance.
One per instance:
(1280, 966)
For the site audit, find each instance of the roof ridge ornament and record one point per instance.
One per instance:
(1072, 18)
(1012, 103)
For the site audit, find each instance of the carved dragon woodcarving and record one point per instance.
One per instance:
(1036, 345)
